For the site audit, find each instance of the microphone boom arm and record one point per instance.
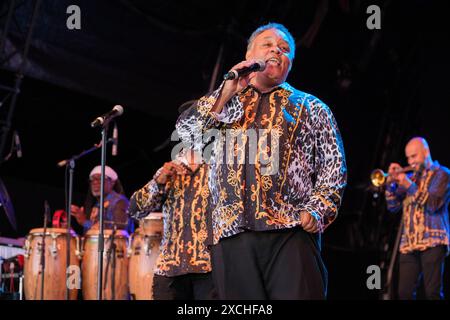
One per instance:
(62, 163)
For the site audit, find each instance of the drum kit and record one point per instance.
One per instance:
(128, 263)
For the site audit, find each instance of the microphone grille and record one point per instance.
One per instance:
(119, 109)
(261, 64)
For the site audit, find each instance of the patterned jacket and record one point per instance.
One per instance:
(425, 209)
(275, 155)
(184, 201)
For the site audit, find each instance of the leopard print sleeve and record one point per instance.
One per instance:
(192, 124)
(148, 199)
(330, 166)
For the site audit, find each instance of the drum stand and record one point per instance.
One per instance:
(42, 261)
(1, 276)
(21, 287)
(71, 167)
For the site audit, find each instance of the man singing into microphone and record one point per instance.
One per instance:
(270, 205)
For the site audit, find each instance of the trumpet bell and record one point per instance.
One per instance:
(378, 177)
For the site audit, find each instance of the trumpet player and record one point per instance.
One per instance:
(424, 197)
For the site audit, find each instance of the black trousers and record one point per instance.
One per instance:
(414, 265)
(192, 286)
(259, 265)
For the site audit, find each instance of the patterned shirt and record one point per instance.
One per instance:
(185, 202)
(275, 155)
(115, 207)
(425, 209)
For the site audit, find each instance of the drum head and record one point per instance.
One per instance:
(153, 224)
(107, 233)
(154, 216)
(49, 231)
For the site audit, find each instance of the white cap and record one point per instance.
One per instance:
(109, 172)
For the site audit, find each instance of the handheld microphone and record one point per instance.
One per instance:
(18, 145)
(259, 65)
(115, 112)
(115, 137)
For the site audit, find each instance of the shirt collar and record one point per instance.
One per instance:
(284, 86)
(435, 165)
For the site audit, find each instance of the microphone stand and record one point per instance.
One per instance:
(102, 209)
(103, 121)
(389, 294)
(70, 165)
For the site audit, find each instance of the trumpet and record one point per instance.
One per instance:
(378, 177)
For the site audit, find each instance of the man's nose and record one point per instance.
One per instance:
(275, 49)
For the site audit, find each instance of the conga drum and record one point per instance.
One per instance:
(55, 263)
(153, 224)
(115, 265)
(143, 254)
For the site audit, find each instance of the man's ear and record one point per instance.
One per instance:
(247, 54)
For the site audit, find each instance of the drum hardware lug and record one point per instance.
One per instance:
(106, 252)
(40, 247)
(27, 248)
(129, 249)
(148, 245)
(78, 251)
(54, 249)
